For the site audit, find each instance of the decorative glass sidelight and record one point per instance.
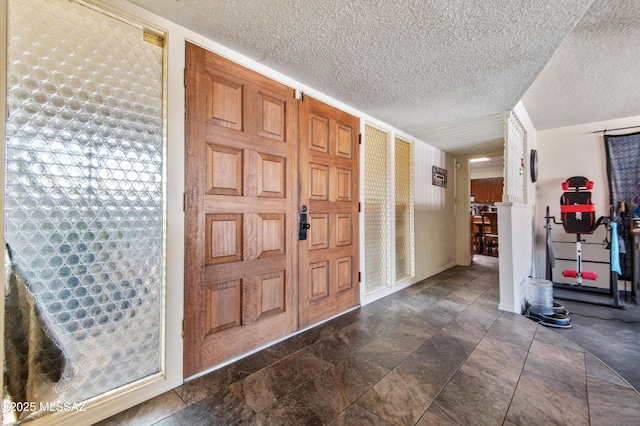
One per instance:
(376, 209)
(404, 209)
(84, 204)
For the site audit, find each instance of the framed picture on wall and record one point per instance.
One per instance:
(439, 177)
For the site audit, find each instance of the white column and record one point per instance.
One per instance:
(515, 248)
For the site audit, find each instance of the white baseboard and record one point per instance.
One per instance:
(404, 284)
(508, 308)
(435, 271)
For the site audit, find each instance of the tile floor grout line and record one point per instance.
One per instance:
(613, 371)
(332, 365)
(415, 350)
(520, 375)
(586, 382)
(459, 367)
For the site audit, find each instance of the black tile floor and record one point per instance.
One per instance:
(436, 353)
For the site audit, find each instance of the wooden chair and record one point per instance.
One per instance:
(477, 236)
(491, 237)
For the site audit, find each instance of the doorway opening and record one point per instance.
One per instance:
(486, 186)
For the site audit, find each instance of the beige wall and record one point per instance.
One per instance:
(574, 151)
(434, 213)
(495, 172)
(462, 205)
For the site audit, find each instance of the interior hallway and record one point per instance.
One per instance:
(438, 352)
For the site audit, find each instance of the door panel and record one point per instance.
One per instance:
(240, 210)
(328, 187)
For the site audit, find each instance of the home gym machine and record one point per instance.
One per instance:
(578, 216)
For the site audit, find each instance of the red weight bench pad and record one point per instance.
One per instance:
(571, 273)
(577, 212)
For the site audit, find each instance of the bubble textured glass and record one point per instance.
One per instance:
(376, 209)
(404, 210)
(84, 192)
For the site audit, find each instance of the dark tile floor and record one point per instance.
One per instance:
(436, 353)
(613, 335)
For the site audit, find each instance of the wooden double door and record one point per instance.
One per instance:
(258, 161)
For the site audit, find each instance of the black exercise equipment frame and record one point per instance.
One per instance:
(613, 276)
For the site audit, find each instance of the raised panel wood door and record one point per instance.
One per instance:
(329, 189)
(240, 210)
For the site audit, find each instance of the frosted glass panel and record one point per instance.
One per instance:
(84, 203)
(404, 210)
(376, 209)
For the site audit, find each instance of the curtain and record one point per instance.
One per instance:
(623, 171)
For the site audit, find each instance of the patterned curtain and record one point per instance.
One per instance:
(623, 169)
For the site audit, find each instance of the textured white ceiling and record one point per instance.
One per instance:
(440, 70)
(595, 74)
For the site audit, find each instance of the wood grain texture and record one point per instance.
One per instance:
(223, 239)
(240, 211)
(329, 187)
(247, 174)
(224, 170)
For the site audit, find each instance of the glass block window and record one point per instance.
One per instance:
(84, 203)
(376, 209)
(404, 209)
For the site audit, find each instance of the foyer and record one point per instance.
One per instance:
(436, 353)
